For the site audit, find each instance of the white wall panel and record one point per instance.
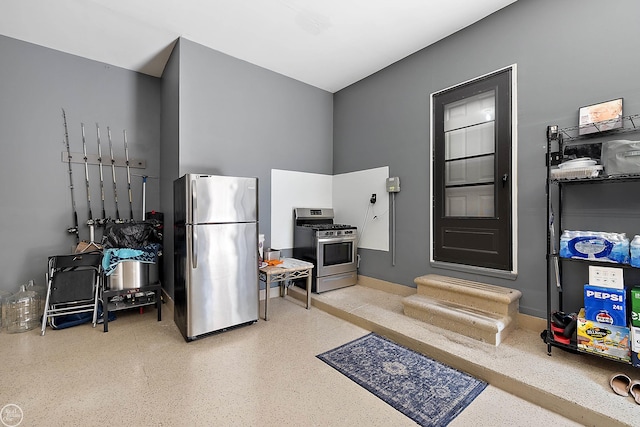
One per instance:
(290, 190)
(351, 194)
(348, 194)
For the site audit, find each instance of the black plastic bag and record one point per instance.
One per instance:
(132, 234)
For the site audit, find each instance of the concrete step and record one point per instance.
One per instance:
(476, 295)
(477, 310)
(482, 326)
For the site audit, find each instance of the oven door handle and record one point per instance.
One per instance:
(337, 239)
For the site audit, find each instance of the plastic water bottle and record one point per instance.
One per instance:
(22, 311)
(634, 248)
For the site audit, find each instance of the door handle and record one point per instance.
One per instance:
(194, 220)
(194, 248)
(194, 202)
(505, 178)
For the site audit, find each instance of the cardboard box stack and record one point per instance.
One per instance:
(602, 323)
(635, 326)
(635, 306)
(603, 339)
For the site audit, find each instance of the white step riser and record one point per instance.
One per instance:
(459, 326)
(474, 302)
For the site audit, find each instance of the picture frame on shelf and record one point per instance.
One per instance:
(600, 117)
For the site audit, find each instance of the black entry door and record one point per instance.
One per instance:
(472, 170)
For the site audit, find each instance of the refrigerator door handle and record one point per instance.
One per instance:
(194, 248)
(194, 202)
(194, 216)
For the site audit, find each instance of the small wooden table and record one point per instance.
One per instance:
(290, 269)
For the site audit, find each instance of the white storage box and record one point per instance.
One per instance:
(576, 173)
(621, 157)
(583, 167)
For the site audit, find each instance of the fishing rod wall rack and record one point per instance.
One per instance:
(92, 159)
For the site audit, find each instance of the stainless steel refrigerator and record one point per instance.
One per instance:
(215, 253)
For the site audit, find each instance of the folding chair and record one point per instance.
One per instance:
(73, 285)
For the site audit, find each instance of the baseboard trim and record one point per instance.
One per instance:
(168, 301)
(273, 293)
(525, 321)
(531, 323)
(389, 287)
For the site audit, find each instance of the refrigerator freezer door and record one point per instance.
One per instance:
(222, 290)
(221, 199)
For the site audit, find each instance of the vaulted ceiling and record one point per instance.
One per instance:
(329, 44)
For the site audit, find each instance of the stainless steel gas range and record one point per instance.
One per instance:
(330, 247)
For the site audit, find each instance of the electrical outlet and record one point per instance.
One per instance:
(372, 200)
(607, 277)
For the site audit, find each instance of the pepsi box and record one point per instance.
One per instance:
(605, 305)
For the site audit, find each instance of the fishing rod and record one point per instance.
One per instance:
(103, 220)
(91, 223)
(86, 176)
(113, 173)
(126, 156)
(73, 229)
(144, 196)
(144, 193)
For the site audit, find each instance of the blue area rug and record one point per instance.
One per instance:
(428, 392)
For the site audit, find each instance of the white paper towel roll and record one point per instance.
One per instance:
(261, 245)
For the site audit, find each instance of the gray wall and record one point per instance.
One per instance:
(569, 54)
(36, 204)
(223, 115)
(210, 113)
(169, 155)
(238, 119)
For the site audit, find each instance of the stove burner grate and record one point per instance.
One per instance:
(327, 226)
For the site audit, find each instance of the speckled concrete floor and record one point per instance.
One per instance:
(574, 385)
(142, 373)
